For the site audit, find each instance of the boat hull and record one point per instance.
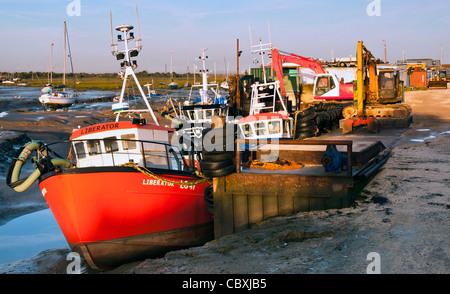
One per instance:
(60, 101)
(109, 254)
(115, 215)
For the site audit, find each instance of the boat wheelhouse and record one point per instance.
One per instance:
(117, 143)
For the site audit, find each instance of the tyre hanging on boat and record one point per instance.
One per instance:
(305, 124)
(209, 199)
(218, 152)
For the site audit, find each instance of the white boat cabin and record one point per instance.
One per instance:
(116, 143)
(266, 126)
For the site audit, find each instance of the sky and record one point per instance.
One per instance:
(319, 29)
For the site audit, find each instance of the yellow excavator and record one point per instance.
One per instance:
(378, 96)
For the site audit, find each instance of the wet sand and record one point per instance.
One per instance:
(403, 213)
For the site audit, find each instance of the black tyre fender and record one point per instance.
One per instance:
(311, 128)
(215, 165)
(208, 197)
(306, 118)
(303, 135)
(305, 124)
(306, 112)
(221, 172)
(219, 156)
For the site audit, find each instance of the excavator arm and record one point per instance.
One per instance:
(277, 65)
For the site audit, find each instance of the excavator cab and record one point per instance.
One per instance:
(390, 88)
(324, 84)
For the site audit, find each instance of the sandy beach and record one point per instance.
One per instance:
(402, 214)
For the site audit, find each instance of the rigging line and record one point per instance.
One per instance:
(71, 64)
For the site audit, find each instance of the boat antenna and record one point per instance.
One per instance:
(138, 41)
(260, 49)
(137, 19)
(204, 71)
(113, 46)
(128, 66)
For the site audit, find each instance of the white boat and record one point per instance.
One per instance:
(151, 90)
(53, 98)
(224, 84)
(264, 120)
(204, 102)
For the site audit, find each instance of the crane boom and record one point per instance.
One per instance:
(277, 66)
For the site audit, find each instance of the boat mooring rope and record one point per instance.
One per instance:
(152, 175)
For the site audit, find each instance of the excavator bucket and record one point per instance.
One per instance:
(441, 84)
(352, 124)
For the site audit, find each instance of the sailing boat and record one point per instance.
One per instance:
(51, 97)
(224, 84)
(151, 90)
(172, 85)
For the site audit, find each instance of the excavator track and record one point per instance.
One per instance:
(380, 111)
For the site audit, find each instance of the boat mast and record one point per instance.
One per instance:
(64, 70)
(171, 66)
(187, 73)
(51, 63)
(71, 63)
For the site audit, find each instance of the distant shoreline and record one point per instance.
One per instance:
(108, 81)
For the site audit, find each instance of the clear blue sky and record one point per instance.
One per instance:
(307, 28)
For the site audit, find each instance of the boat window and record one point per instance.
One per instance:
(199, 114)
(111, 144)
(190, 114)
(260, 128)
(155, 155)
(247, 129)
(274, 127)
(128, 144)
(94, 147)
(286, 127)
(79, 148)
(209, 113)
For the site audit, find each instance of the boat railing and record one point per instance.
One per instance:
(105, 152)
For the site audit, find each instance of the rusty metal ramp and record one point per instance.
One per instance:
(331, 174)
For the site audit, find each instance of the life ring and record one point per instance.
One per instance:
(19, 160)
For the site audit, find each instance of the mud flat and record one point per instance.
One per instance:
(402, 215)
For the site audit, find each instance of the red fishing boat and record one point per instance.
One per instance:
(130, 195)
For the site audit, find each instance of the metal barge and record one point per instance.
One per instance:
(251, 195)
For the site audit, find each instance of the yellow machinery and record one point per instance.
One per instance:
(378, 96)
(439, 81)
